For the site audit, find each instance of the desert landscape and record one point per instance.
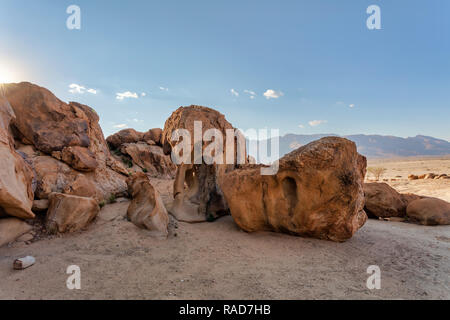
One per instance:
(142, 227)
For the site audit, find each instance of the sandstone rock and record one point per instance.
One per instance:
(430, 176)
(146, 209)
(429, 211)
(11, 229)
(413, 177)
(317, 192)
(153, 135)
(151, 158)
(56, 176)
(16, 176)
(422, 176)
(67, 213)
(383, 201)
(40, 205)
(44, 120)
(124, 136)
(203, 198)
(79, 158)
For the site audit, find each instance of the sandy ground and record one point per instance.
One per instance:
(399, 169)
(218, 261)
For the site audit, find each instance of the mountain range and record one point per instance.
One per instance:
(376, 146)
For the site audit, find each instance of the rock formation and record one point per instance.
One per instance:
(144, 150)
(11, 229)
(146, 209)
(16, 176)
(382, 201)
(197, 195)
(64, 144)
(67, 213)
(429, 211)
(317, 192)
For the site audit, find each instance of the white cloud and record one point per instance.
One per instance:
(163, 89)
(352, 105)
(234, 93)
(272, 94)
(120, 126)
(76, 88)
(127, 94)
(301, 126)
(315, 123)
(143, 94)
(251, 93)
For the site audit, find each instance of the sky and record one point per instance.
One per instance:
(301, 67)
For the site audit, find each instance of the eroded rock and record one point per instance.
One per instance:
(67, 213)
(16, 176)
(429, 211)
(317, 192)
(11, 229)
(146, 209)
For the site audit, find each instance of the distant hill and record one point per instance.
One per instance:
(376, 146)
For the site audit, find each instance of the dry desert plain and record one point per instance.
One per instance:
(218, 261)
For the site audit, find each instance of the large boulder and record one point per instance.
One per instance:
(151, 158)
(317, 192)
(154, 135)
(429, 211)
(70, 133)
(67, 213)
(11, 229)
(202, 199)
(16, 176)
(146, 209)
(124, 136)
(56, 176)
(79, 158)
(383, 201)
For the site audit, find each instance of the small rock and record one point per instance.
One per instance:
(23, 263)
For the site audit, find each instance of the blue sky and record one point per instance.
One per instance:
(328, 73)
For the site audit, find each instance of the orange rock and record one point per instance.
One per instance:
(429, 211)
(16, 176)
(317, 192)
(146, 209)
(67, 213)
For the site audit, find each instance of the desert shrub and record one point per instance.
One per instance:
(145, 170)
(377, 172)
(112, 198)
(102, 204)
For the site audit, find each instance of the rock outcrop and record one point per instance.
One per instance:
(317, 192)
(202, 199)
(429, 211)
(143, 149)
(67, 213)
(383, 201)
(64, 144)
(16, 176)
(146, 209)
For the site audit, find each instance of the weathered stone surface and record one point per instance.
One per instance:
(383, 201)
(317, 192)
(124, 136)
(56, 176)
(11, 229)
(429, 211)
(40, 205)
(146, 209)
(79, 158)
(153, 135)
(67, 213)
(150, 157)
(16, 176)
(203, 198)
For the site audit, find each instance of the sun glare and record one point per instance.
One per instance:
(6, 75)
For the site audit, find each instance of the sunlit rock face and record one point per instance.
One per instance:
(317, 192)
